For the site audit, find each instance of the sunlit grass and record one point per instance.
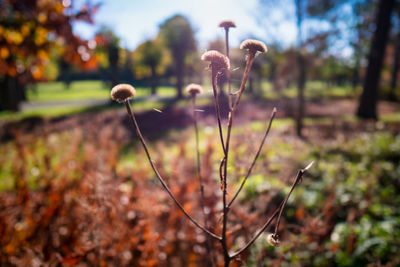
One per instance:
(83, 90)
(57, 91)
(49, 112)
(314, 89)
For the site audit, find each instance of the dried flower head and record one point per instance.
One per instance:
(273, 240)
(218, 60)
(122, 92)
(194, 89)
(227, 24)
(253, 46)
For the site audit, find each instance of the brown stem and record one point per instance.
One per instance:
(249, 62)
(214, 74)
(255, 158)
(250, 59)
(296, 181)
(228, 71)
(279, 209)
(202, 200)
(259, 232)
(139, 134)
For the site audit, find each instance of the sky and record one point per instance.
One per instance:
(137, 21)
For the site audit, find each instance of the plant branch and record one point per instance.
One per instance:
(139, 134)
(228, 71)
(214, 84)
(196, 129)
(297, 180)
(202, 199)
(259, 232)
(255, 158)
(249, 62)
(279, 209)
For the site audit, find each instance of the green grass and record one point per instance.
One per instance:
(80, 90)
(95, 90)
(83, 90)
(57, 91)
(314, 89)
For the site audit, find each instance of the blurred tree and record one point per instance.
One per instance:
(127, 70)
(301, 80)
(361, 22)
(29, 30)
(106, 40)
(150, 56)
(303, 10)
(396, 58)
(369, 97)
(178, 35)
(395, 69)
(65, 72)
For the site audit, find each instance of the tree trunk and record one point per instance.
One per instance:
(356, 73)
(300, 95)
(395, 70)
(154, 80)
(369, 97)
(179, 77)
(113, 58)
(11, 93)
(301, 80)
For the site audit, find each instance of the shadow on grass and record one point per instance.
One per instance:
(152, 122)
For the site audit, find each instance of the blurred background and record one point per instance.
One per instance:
(75, 184)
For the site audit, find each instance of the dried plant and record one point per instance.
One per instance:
(218, 64)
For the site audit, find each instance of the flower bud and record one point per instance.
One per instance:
(273, 240)
(194, 89)
(122, 92)
(253, 46)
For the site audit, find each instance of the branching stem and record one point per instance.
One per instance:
(279, 209)
(255, 158)
(139, 134)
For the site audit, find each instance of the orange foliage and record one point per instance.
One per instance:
(29, 31)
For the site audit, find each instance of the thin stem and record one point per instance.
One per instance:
(255, 158)
(228, 71)
(250, 59)
(225, 217)
(139, 134)
(279, 209)
(259, 232)
(249, 62)
(214, 84)
(202, 199)
(296, 181)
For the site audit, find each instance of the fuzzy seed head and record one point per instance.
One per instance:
(273, 240)
(194, 89)
(253, 46)
(122, 92)
(227, 24)
(217, 59)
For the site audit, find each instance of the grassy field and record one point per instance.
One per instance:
(314, 89)
(77, 98)
(80, 90)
